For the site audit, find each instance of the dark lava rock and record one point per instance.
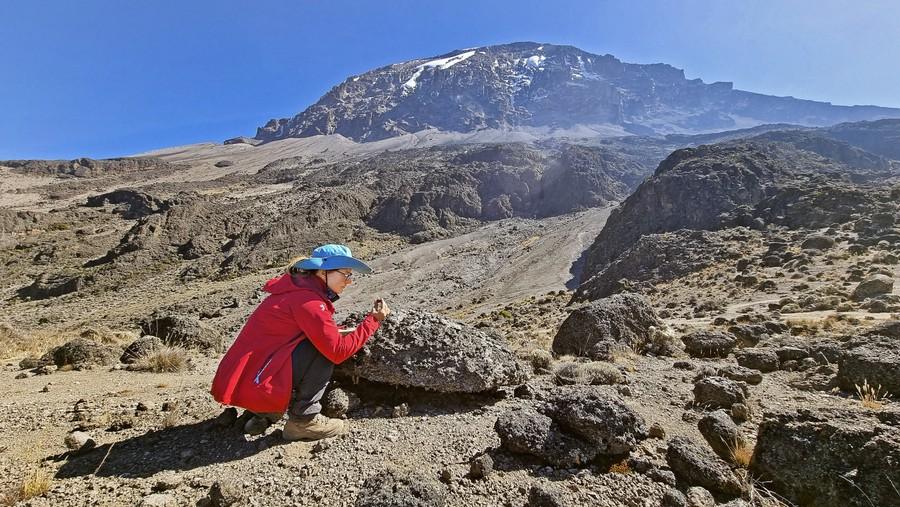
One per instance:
(54, 285)
(81, 353)
(427, 350)
(720, 431)
(890, 328)
(401, 488)
(481, 466)
(762, 359)
(696, 466)
(598, 417)
(749, 335)
(224, 163)
(830, 458)
(140, 347)
(595, 330)
(131, 204)
(741, 374)
(337, 402)
(183, 331)
(526, 431)
(873, 359)
(874, 285)
(718, 392)
(709, 343)
(544, 494)
(791, 353)
(818, 242)
(226, 494)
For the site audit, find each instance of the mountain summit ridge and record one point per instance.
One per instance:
(528, 84)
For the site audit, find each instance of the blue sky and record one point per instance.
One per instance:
(106, 78)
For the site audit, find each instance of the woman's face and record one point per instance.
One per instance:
(338, 279)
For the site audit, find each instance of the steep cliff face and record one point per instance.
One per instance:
(542, 85)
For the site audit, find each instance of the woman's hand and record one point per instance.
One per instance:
(380, 310)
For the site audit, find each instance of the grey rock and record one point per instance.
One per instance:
(827, 457)
(79, 441)
(427, 350)
(544, 494)
(598, 417)
(699, 497)
(875, 360)
(338, 402)
(791, 353)
(81, 353)
(596, 330)
(400, 488)
(674, 498)
(54, 285)
(709, 343)
(183, 331)
(481, 466)
(718, 392)
(741, 374)
(818, 242)
(526, 431)
(131, 204)
(697, 466)
(226, 494)
(872, 286)
(721, 433)
(762, 359)
(740, 412)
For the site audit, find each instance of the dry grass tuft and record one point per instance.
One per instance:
(621, 467)
(593, 373)
(163, 360)
(34, 484)
(539, 359)
(871, 397)
(741, 453)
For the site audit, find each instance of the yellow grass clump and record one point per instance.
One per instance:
(870, 396)
(34, 484)
(164, 360)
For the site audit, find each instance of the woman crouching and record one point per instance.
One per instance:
(284, 356)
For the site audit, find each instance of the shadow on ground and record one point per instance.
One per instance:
(178, 448)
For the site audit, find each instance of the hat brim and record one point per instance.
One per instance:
(335, 262)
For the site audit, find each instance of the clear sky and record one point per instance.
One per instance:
(106, 78)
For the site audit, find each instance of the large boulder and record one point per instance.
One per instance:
(872, 359)
(81, 353)
(721, 433)
(709, 343)
(596, 330)
(695, 465)
(818, 242)
(140, 348)
(762, 359)
(54, 285)
(401, 488)
(597, 416)
(527, 431)
(719, 392)
(830, 458)
(183, 331)
(874, 285)
(429, 351)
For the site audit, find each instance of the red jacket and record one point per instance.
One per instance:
(256, 371)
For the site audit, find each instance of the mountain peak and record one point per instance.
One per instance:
(529, 84)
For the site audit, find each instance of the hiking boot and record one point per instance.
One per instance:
(259, 423)
(314, 429)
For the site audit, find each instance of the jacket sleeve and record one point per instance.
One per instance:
(317, 323)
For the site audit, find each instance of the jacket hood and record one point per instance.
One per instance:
(283, 284)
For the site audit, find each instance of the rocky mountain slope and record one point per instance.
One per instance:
(543, 85)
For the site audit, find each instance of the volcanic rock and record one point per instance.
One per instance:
(596, 330)
(427, 350)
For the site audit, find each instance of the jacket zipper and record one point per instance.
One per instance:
(256, 380)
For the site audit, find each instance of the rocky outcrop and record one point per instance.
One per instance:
(50, 285)
(429, 351)
(572, 427)
(831, 458)
(657, 258)
(87, 167)
(131, 204)
(596, 330)
(81, 353)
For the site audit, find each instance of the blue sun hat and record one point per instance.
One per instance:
(333, 257)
